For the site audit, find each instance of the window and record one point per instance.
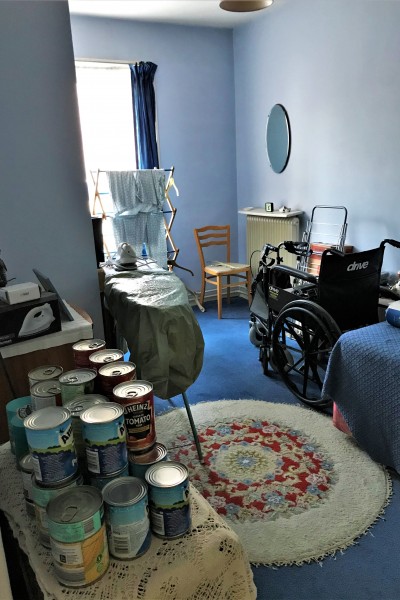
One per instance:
(106, 116)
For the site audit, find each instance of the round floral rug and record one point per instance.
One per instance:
(293, 487)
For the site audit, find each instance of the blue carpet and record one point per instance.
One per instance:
(231, 370)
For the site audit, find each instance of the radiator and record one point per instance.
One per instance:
(270, 230)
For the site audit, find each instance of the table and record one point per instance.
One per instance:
(362, 380)
(208, 563)
(20, 358)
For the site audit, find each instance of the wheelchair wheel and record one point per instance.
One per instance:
(308, 333)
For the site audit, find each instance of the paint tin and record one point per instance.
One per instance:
(46, 393)
(101, 482)
(112, 374)
(26, 468)
(76, 383)
(169, 498)
(138, 401)
(19, 408)
(139, 463)
(104, 434)
(78, 536)
(104, 357)
(41, 497)
(51, 443)
(76, 408)
(83, 349)
(127, 517)
(44, 373)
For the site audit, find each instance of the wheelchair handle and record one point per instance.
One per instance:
(394, 243)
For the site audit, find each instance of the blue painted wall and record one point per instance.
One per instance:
(195, 111)
(334, 66)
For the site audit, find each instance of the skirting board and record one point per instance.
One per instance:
(240, 292)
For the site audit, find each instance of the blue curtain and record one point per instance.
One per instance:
(144, 114)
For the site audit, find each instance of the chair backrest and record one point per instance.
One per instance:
(213, 235)
(348, 287)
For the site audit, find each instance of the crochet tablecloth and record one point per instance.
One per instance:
(207, 563)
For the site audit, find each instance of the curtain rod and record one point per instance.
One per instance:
(108, 61)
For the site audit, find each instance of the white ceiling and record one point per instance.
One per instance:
(183, 12)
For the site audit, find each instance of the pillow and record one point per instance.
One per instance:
(393, 313)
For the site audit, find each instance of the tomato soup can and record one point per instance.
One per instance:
(100, 482)
(51, 444)
(83, 349)
(78, 536)
(76, 382)
(127, 517)
(76, 408)
(46, 393)
(169, 498)
(112, 374)
(26, 468)
(16, 411)
(137, 399)
(104, 434)
(139, 463)
(104, 357)
(44, 373)
(41, 497)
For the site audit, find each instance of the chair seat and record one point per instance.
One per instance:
(220, 268)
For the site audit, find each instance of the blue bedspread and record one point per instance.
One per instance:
(363, 378)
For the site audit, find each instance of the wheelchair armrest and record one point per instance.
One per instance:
(296, 273)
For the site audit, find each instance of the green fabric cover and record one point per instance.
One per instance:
(164, 338)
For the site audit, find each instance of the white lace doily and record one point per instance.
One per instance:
(208, 563)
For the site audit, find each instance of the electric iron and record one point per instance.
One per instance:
(37, 319)
(125, 259)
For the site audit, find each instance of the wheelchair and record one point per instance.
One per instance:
(297, 317)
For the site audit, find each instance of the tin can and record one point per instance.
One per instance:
(112, 374)
(169, 497)
(138, 401)
(41, 496)
(139, 463)
(127, 517)
(76, 408)
(83, 349)
(104, 357)
(46, 393)
(76, 383)
(19, 408)
(26, 468)
(78, 536)
(104, 434)
(51, 443)
(100, 482)
(44, 373)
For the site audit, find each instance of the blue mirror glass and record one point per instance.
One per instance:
(278, 138)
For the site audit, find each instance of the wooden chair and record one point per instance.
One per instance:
(214, 273)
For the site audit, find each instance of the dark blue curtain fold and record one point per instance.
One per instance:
(144, 114)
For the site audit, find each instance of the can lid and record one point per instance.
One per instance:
(84, 401)
(132, 389)
(47, 418)
(102, 413)
(156, 453)
(77, 376)
(116, 368)
(124, 491)
(26, 464)
(91, 344)
(75, 504)
(45, 372)
(49, 387)
(106, 356)
(166, 474)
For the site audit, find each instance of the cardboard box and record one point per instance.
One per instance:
(19, 292)
(27, 320)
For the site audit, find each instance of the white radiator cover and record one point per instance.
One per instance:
(270, 230)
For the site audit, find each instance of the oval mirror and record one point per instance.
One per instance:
(278, 138)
